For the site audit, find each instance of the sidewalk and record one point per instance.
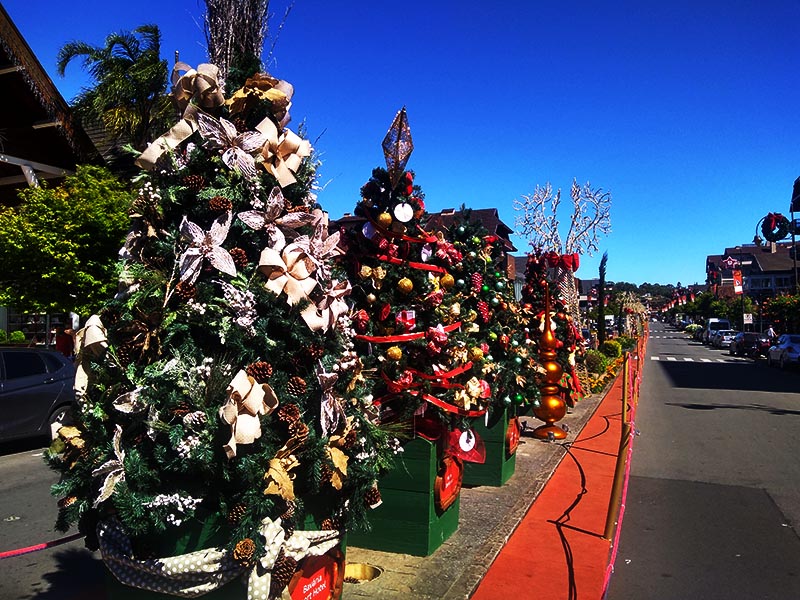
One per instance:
(538, 536)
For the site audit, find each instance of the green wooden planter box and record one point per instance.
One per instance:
(408, 521)
(499, 465)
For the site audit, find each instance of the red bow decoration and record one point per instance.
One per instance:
(571, 262)
(437, 338)
(404, 382)
(773, 219)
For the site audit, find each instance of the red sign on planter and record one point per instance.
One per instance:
(447, 485)
(512, 435)
(319, 577)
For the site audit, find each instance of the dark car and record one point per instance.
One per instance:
(36, 391)
(749, 343)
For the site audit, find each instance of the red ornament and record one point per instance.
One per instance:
(477, 282)
(483, 310)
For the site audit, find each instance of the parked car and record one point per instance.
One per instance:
(722, 338)
(749, 343)
(714, 324)
(785, 351)
(36, 391)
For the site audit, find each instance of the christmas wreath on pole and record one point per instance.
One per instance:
(774, 227)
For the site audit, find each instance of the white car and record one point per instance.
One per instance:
(723, 337)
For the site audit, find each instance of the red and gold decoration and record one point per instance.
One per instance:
(550, 407)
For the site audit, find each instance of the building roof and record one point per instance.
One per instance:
(769, 258)
(487, 217)
(38, 135)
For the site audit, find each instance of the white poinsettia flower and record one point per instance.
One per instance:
(320, 247)
(205, 245)
(273, 220)
(114, 470)
(237, 148)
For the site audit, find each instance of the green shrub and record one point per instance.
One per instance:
(627, 343)
(3, 336)
(596, 361)
(16, 337)
(691, 329)
(611, 348)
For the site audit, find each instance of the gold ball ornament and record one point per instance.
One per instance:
(384, 219)
(405, 285)
(394, 353)
(475, 354)
(447, 281)
(371, 298)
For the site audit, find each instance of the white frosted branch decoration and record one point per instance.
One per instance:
(538, 219)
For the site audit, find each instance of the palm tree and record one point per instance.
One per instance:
(130, 83)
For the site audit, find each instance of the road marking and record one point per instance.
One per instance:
(671, 358)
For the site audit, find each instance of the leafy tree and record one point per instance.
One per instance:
(130, 83)
(58, 247)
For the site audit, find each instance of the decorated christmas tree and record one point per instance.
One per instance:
(494, 319)
(209, 386)
(423, 367)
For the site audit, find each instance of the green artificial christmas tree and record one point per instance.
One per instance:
(209, 385)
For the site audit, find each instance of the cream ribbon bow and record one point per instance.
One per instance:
(247, 401)
(283, 152)
(289, 271)
(90, 341)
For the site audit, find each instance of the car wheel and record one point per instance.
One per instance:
(60, 417)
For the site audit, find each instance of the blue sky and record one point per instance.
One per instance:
(686, 111)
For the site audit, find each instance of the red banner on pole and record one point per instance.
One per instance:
(737, 282)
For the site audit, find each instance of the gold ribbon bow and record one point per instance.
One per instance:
(247, 400)
(194, 90)
(283, 152)
(89, 341)
(199, 84)
(324, 314)
(289, 271)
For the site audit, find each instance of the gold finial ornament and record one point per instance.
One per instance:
(551, 407)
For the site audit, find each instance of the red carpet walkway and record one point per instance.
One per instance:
(557, 551)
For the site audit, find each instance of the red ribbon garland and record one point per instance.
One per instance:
(414, 265)
(426, 238)
(405, 337)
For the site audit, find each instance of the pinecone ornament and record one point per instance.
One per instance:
(194, 182)
(236, 513)
(282, 572)
(220, 204)
(288, 413)
(296, 386)
(244, 552)
(261, 371)
(349, 440)
(326, 474)
(182, 409)
(298, 429)
(331, 524)
(239, 257)
(185, 290)
(316, 352)
(373, 497)
(477, 283)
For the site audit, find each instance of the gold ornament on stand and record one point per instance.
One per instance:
(551, 407)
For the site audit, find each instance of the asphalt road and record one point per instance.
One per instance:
(713, 505)
(27, 517)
